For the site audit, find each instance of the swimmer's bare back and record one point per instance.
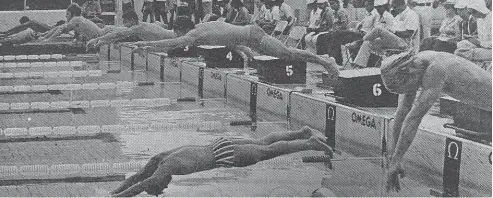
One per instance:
(153, 32)
(221, 33)
(463, 79)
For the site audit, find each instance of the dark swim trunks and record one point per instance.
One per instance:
(223, 152)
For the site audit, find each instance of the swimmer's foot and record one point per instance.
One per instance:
(310, 132)
(331, 65)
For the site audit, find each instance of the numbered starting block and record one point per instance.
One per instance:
(277, 71)
(469, 121)
(363, 87)
(220, 57)
(187, 51)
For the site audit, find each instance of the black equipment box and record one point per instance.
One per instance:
(363, 87)
(278, 71)
(187, 51)
(220, 57)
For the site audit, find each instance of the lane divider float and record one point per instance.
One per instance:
(73, 87)
(71, 169)
(95, 129)
(51, 74)
(152, 102)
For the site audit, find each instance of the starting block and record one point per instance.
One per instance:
(220, 57)
(364, 87)
(469, 121)
(277, 71)
(187, 51)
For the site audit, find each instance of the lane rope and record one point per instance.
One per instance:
(95, 129)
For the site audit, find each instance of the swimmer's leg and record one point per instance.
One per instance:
(304, 133)
(273, 47)
(145, 172)
(250, 154)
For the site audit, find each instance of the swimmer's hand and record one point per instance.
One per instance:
(140, 43)
(142, 51)
(393, 174)
(93, 43)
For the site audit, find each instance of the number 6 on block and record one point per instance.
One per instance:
(376, 89)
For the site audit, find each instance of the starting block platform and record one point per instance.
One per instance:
(437, 158)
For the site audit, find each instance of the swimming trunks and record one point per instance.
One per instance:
(223, 152)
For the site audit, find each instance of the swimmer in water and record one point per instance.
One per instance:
(82, 26)
(223, 152)
(434, 74)
(243, 38)
(134, 28)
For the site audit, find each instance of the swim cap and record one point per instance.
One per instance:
(183, 23)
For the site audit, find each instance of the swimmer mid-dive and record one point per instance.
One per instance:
(142, 30)
(157, 173)
(26, 23)
(242, 38)
(433, 73)
(77, 23)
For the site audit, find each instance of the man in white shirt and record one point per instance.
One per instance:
(477, 48)
(406, 25)
(425, 11)
(283, 12)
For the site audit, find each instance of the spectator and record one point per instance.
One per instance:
(320, 22)
(406, 25)
(128, 5)
(259, 10)
(160, 11)
(340, 15)
(242, 16)
(468, 26)
(310, 6)
(266, 20)
(477, 47)
(340, 22)
(230, 12)
(450, 32)
(147, 11)
(425, 12)
(283, 12)
(249, 5)
(91, 9)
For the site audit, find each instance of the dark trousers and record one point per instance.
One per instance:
(432, 43)
(147, 14)
(308, 30)
(331, 43)
(160, 11)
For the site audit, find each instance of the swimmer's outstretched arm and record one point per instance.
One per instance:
(432, 84)
(167, 44)
(116, 36)
(423, 102)
(69, 26)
